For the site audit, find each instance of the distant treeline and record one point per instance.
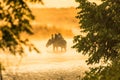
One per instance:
(44, 32)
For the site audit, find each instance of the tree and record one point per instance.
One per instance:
(15, 16)
(101, 23)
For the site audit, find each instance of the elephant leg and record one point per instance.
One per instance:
(65, 49)
(56, 49)
(53, 48)
(61, 49)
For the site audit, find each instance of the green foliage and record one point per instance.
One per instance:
(15, 17)
(103, 32)
(101, 23)
(110, 72)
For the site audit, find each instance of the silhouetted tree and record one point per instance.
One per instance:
(101, 25)
(15, 16)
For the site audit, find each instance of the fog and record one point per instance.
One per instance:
(47, 65)
(47, 61)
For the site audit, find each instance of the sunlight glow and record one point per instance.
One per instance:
(55, 4)
(59, 4)
(96, 1)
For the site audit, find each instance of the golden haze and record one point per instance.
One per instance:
(53, 20)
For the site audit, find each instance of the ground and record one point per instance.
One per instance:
(46, 65)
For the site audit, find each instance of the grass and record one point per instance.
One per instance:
(49, 75)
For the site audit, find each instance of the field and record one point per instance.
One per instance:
(48, 65)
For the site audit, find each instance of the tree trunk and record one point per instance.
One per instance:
(1, 78)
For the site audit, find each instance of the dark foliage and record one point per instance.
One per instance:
(101, 25)
(15, 16)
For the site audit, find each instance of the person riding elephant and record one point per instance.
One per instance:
(58, 42)
(60, 36)
(57, 36)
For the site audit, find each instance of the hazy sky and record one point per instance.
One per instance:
(59, 3)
